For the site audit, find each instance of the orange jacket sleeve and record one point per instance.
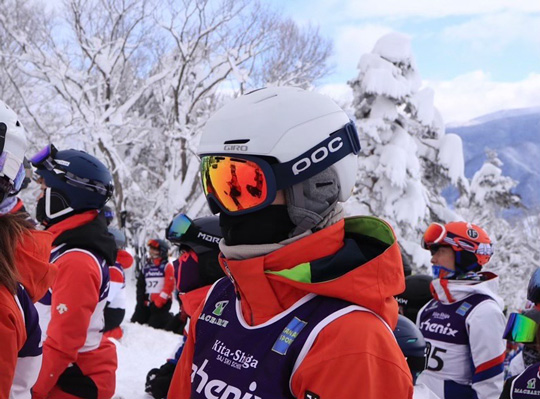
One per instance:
(168, 286)
(75, 297)
(366, 363)
(192, 300)
(180, 387)
(124, 258)
(12, 337)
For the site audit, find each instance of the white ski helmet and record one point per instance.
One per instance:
(304, 133)
(12, 151)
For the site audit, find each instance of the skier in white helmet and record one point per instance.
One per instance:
(25, 272)
(307, 308)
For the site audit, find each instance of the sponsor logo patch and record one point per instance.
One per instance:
(472, 233)
(463, 309)
(62, 308)
(288, 335)
(220, 306)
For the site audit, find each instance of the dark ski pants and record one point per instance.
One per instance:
(152, 315)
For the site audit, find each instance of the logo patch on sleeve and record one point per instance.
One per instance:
(288, 335)
(463, 309)
(311, 395)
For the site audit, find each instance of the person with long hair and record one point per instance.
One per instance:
(25, 273)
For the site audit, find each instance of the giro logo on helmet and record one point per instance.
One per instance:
(235, 147)
(318, 155)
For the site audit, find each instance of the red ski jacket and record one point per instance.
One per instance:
(36, 275)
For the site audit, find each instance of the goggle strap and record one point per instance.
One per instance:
(336, 147)
(3, 132)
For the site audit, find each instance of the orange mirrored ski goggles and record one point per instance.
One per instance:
(238, 184)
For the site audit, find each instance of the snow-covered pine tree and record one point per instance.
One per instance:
(134, 81)
(516, 255)
(406, 159)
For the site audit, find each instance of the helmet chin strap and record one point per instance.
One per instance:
(442, 272)
(48, 213)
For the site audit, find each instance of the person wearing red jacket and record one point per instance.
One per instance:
(25, 272)
(155, 286)
(116, 301)
(77, 361)
(307, 308)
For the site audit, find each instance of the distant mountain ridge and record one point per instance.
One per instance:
(515, 135)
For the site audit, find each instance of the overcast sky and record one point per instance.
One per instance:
(479, 56)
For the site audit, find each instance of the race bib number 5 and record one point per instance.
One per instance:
(435, 361)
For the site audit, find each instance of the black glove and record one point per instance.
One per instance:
(159, 380)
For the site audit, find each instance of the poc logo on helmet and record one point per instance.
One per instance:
(318, 155)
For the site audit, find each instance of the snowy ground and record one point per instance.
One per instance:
(141, 349)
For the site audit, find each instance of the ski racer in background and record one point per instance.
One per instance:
(524, 328)
(197, 265)
(115, 310)
(413, 346)
(25, 272)
(197, 269)
(155, 285)
(464, 323)
(307, 310)
(77, 360)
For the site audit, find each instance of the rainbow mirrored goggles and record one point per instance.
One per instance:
(178, 228)
(237, 184)
(520, 328)
(45, 159)
(436, 235)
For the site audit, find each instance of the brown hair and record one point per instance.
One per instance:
(12, 228)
